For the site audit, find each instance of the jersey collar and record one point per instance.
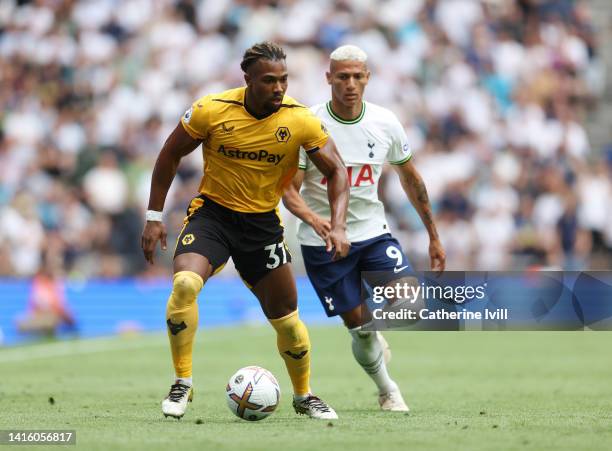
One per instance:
(344, 121)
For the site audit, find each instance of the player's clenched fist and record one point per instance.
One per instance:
(437, 256)
(339, 243)
(153, 232)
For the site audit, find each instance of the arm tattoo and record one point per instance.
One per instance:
(420, 191)
(422, 205)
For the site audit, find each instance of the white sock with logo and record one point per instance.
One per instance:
(184, 380)
(368, 352)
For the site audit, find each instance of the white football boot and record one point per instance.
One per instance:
(175, 404)
(392, 402)
(314, 407)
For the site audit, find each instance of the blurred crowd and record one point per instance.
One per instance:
(494, 96)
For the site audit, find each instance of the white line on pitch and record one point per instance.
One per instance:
(73, 348)
(94, 345)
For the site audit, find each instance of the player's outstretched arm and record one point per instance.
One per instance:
(413, 185)
(178, 144)
(328, 161)
(297, 206)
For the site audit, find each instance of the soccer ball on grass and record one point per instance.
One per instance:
(252, 393)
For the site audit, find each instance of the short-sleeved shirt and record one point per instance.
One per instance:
(365, 144)
(248, 162)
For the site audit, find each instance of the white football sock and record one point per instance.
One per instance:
(369, 354)
(184, 380)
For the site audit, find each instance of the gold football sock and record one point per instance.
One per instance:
(182, 320)
(294, 347)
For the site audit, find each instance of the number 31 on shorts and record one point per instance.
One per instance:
(273, 254)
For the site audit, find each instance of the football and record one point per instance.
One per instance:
(252, 393)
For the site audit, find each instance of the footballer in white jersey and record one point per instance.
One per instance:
(367, 142)
(367, 136)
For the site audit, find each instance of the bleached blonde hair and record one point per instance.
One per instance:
(349, 53)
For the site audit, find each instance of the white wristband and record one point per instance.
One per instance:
(152, 215)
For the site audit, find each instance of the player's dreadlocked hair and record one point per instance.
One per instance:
(262, 50)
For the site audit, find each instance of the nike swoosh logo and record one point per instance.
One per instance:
(396, 270)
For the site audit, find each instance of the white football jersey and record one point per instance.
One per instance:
(364, 143)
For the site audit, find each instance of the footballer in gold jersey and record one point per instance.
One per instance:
(250, 138)
(248, 161)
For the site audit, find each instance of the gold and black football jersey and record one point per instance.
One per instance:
(248, 162)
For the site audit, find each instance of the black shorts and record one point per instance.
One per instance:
(253, 240)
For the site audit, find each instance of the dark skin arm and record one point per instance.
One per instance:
(328, 161)
(417, 193)
(296, 205)
(178, 144)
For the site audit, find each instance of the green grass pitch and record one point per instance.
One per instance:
(467, 390)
